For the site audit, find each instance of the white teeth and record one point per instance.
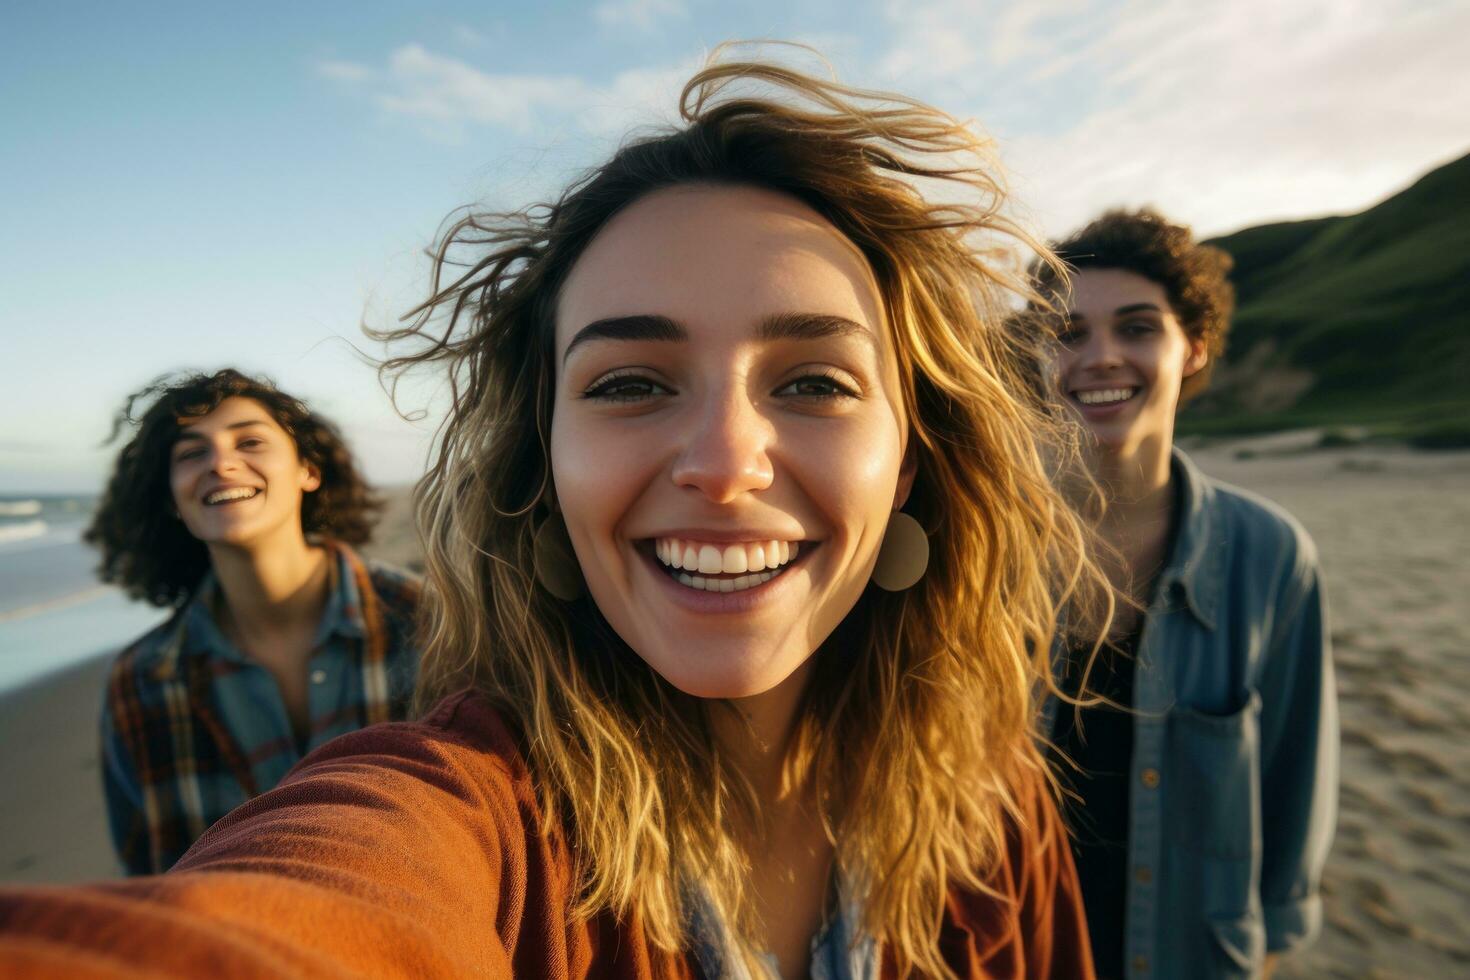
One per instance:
(735, 559)
(235, 493)
(1106, 396)
(732, 559)
(711, 560)
(739, 584)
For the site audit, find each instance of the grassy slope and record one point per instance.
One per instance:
(1375, 305)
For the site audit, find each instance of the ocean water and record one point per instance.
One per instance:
(53, 611)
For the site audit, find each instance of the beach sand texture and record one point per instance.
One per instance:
(1393, 528)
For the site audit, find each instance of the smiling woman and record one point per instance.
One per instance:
(743, 557)
(238, 507)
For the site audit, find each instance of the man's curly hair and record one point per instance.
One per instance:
(1194, 276)
(145, 547)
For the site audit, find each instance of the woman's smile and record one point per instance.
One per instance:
(699, 563)
(705, 577)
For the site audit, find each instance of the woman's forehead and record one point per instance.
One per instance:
(231, 412)
(1099, 292)
(718, 255)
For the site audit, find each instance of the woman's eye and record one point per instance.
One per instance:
(1070, 336)
(817, 386)
(247, 443)
(1138, 328)
(624, 388)
(188, 454)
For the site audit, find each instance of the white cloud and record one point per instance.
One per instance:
(447, 95)
(446, 90)
(642, 15)
(1224, 115)
(343, 71)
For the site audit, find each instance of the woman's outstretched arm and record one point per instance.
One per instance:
(407, 850)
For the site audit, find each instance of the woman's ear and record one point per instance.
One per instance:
(1197, 358)
(311, 477)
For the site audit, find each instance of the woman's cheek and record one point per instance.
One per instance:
(592, 476)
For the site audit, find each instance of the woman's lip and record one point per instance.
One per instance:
(737, 536)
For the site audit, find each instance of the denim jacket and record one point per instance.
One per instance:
(1235, 757)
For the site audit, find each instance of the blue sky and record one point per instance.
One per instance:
(194, 185)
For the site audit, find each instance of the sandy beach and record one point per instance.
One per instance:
(1393, 528)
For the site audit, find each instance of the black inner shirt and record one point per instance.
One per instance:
(1099, 740)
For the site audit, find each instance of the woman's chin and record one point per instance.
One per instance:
(722, 675)
(1109, 438)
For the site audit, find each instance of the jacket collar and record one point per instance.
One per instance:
(1196, 564)
(197, 634)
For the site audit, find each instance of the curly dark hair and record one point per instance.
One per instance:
(145, 547)
(1194, 276)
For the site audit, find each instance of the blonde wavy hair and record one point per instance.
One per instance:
(916, 734)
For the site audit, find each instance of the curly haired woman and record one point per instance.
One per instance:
(237, 507)
(742, 562)
(1204, 814)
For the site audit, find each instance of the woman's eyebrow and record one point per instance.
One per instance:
(1137, 308)
(779, 326)
(643, 326)
(812, 326)
(189, 435)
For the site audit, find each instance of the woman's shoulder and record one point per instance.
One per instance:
(1027, 919)
(393, 583)
(1036, 837)
(1244, 516)
(396, 587)
(138, 662)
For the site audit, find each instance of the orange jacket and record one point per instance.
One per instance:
(415, 849)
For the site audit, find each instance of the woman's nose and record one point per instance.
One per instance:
(725, 451)
(223, 460)
(1099, 351)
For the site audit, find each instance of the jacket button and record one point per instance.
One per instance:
(1150, 778)
(318, 676)
(1140, 964)
(1144, 874)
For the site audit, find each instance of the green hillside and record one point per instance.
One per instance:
(1356, 320)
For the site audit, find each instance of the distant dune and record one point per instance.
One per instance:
(1362, 319)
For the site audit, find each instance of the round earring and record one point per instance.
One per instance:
(555, 562)
(903, 557)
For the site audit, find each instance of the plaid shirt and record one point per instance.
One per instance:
(192, 728)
